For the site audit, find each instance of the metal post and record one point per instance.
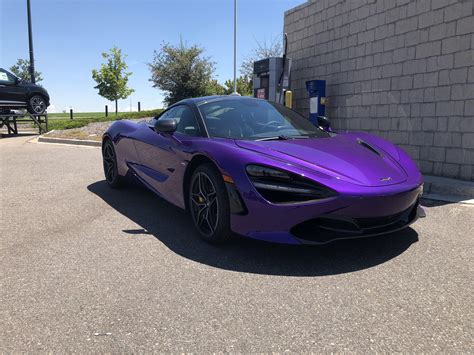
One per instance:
(70, 114)
(30, 38)
(106, 111)
(139, 108)
(235, 46)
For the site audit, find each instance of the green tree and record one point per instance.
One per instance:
(22, 70)
(214, 88)
(112, 78)
(244, 86)
(181, 72)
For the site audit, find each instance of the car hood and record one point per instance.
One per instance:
(344, 156)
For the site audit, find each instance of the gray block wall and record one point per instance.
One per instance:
(400, 69)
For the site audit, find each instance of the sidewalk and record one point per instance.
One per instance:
(445, 189)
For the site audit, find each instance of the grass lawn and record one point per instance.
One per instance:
(62, 120)
(65, 115)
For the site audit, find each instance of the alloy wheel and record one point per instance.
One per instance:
(109, 163)
(205, 205)
(38, 104)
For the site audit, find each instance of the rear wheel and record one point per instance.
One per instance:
(209, 204)
(37, 105)
(110, 165)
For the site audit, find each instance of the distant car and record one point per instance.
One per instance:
(261, 170)
(18, 94)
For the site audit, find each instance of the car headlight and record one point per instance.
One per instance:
(280, 186)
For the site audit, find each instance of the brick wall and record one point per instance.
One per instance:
(400, 69)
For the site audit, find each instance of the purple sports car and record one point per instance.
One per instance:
(258, 169)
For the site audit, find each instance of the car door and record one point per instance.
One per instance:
(10, 91)
(163, 157)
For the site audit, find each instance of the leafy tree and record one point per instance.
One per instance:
(22, 70)
(182, 72)
(262, 50)
(244, 86)
(214, 88)
(112, 78)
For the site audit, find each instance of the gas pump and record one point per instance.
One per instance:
(317, 99)
(271, 79)
(317, 104)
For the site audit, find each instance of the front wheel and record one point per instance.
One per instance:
(209, 204)
(37, 105)
(110, 165)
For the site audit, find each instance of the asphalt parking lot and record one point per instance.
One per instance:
(88, 269)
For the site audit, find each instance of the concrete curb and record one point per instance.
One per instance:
(449, 198)
(82, 142)
(449, 187)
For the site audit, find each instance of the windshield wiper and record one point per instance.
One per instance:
(282, 138)
(276, 138)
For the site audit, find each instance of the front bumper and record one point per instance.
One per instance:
(326, 229)
(321, 222)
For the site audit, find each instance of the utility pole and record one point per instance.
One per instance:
(235, 47)
(30, 37)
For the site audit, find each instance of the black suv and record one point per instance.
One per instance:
(16, 93)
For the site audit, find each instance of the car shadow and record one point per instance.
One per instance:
(173, 227)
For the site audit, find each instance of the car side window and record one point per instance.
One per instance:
(162, 116)
(167, 115)
(184, 116)
(6, 78)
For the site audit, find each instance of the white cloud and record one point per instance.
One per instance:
(126, 109)
(51, 109)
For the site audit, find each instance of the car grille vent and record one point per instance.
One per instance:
(368, 146)
(327, 228)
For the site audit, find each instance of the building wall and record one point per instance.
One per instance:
(400, 69)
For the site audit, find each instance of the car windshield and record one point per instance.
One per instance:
(253, 119)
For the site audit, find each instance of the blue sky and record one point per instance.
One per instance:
(69, 36)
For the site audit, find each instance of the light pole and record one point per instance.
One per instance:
(235, 47)
(30, 37)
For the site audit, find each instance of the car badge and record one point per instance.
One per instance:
(388, 178)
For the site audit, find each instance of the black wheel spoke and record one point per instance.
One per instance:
(200, 187)
(201, 216)
(212, 197)
(206, 218)
(110, 172)
(212, 218)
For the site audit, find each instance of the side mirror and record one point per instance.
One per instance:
(324, 123)
(166, 126)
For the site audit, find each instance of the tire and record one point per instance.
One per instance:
(109, 159)
(37, 105)
(209, 204)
